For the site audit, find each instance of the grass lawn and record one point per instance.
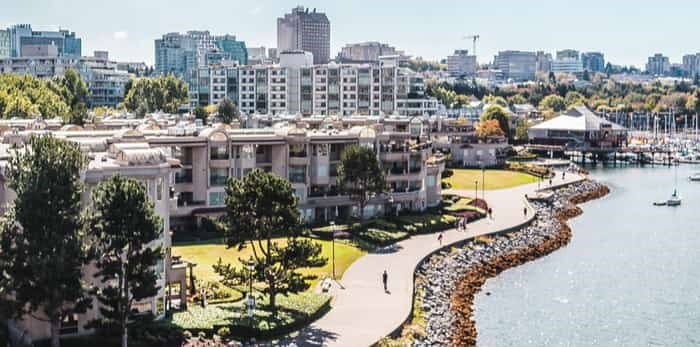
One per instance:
(207, 254)
(495, 179)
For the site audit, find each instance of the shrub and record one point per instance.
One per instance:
(187, 334)
(224, 332)
(382, 237)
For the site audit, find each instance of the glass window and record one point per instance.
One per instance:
(297, 174)
(219, 152)
(430, 181)
(297, 150)
(218, 177)
(216, 198)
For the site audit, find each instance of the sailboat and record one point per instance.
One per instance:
(675, 199)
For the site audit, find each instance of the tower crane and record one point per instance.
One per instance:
(474, 38)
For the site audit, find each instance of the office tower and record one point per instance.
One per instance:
(305, 30)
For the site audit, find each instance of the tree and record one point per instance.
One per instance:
(201, 113)
(163, 93)
(123, 224)
(517, 99)
(586, 75)
(495, 100)
(360, 176)
(553, 103)
(552, 78)
(260, 207)
(42, 241)
(489, 128)
(574, 99)
(498, 113)
(227, 111)
(521, 130)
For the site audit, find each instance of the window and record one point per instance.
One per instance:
(219, 152)
(430, 181)
(297, 174)
(297, 150)
(216, 198)
(323, 170)
(218, 177)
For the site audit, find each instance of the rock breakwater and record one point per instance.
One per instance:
(450, 279)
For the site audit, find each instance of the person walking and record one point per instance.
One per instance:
(440, 239)
(385, 278)
(525, 211)
(550, 182)
(490, 213)
(563, 175)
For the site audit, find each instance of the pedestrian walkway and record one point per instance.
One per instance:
(362, 312)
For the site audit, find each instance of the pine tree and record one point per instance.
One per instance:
(360, 176)
(42, 249)
(123, 223)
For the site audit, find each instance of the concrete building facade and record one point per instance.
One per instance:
(516, 65)
(658, 65)
(66, 42)
(305, 30)
(178, 54)
(461, 64)
(366, 52)
(593, 61)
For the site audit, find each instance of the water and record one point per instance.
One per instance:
(629, 277)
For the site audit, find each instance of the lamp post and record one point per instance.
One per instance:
(476, 189)
(333, 246)
(483, 182)
(251, 298)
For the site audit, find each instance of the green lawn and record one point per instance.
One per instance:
(495, 179)
(207, 254)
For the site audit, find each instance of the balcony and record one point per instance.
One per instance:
(184, 176)
(217, 180)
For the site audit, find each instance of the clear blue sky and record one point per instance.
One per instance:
(627, 31)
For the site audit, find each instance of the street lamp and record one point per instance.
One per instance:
(333, 246)
(251, 298)
(483, 182)
(476, 189)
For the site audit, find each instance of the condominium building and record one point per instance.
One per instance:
(593, 61)
(366, 52)
(120, 152)
(516, 65)
(691, 65)
(544, 61)
(295, 86)
(178, 54)
(566, 65)
(461, 64)
(568, 54)
(105, 81)
(5, 45)
(658, 65)
(21, 35)
(305, 30)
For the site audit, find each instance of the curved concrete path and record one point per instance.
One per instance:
(362, 313)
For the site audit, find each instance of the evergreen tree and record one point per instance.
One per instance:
(360, 175)
(227, 111)
(123, 224)
(41, 242)
(260, 207)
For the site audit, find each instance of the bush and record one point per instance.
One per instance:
(224, 332)
(219, 293)
(187, 334)
(447, 173)
(381, 237)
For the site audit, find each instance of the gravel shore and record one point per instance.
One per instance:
(450, 279)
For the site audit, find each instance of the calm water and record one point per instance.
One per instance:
(629, 277)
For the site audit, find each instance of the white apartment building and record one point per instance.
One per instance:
(295, 86)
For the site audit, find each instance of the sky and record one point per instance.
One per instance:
(626, 31)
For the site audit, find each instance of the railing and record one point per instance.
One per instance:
(185, 203)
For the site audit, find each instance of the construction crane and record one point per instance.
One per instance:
(474, 38)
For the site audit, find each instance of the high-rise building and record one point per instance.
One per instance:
(461, 64)
(544, 61)
(593, 61)
(4, 44)
(691, 65)
(305, 30)
(365, 52)
(21, 35)
(516, 65)
(568, 54)
(178, 54)
(658, 65)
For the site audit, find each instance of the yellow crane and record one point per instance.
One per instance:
(474, 38)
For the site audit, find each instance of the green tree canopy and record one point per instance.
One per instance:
(227, 110)
(25, 96)
(495, 100)
(260, 207)
(164, 93)
(498, 113)
(122, 222)
(573, 99)
(360, 175)
(553, 103)
(42, 249)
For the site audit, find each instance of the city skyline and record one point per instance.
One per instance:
(435, 39)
